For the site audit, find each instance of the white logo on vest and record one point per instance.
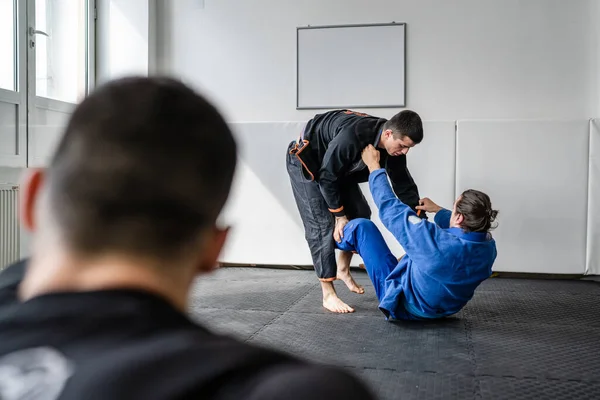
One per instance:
(33, 374)
(413, 219)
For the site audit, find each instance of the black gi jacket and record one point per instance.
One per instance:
(130, 344)
(331, 152)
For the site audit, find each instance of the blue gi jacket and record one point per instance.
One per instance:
(442, 267)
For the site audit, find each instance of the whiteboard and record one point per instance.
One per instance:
(351, 66)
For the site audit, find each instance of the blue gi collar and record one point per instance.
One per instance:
(470, 236)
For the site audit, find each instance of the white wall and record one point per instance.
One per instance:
(595, 15)
(467, 59)
(593, 223)
(524, 62)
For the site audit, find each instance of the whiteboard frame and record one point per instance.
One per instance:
(298, 29)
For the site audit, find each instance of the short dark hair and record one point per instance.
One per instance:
(406, 123)
(476, 209)
(144, 166)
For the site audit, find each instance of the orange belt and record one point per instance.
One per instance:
(297, 150)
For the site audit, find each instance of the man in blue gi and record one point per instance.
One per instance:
(444, 262)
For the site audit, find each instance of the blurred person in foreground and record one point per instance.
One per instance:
(123, 220)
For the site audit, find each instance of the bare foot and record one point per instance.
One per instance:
(350, 282)
(343, 272)
(334, 304)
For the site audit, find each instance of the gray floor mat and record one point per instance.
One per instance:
(241, 324)
(254, 274)
(536, 350)
(516, 339)
(549, 286)
(411, 385)
(510, 388)
(363, 341)
(248, 295)
(551, 308)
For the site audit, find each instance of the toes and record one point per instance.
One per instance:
(346, 308)
(338, 307)
(358, 289)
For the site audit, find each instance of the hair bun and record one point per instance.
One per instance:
(492, 214)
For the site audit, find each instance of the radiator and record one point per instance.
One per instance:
(9, 225)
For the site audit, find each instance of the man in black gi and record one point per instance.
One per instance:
(325, 167)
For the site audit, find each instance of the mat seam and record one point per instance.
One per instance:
(279, 316)
(475, 376)
(471, 352)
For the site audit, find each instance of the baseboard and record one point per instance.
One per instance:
(530, 275)
(511, 275)
(268, 266)
(593, 278)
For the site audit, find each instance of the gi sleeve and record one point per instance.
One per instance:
(442, 218)
(402, 182)
(417, 236)
(342, 150)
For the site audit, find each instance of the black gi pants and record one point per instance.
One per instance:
(318, 221)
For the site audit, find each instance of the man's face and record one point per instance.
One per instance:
(397, 146)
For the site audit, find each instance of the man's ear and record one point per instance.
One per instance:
(210, 256)
(31, 189)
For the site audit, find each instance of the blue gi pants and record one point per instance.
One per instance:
(363, 236)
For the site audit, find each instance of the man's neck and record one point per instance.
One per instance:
(380, 144)
(60, 272)
(457, 226)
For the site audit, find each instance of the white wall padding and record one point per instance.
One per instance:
(266, 225)
(432, 163)
(536, 175)
(593, 224)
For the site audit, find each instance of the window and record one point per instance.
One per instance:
(60, 49)
(7, 45)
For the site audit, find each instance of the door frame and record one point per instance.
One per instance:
(18, 97)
